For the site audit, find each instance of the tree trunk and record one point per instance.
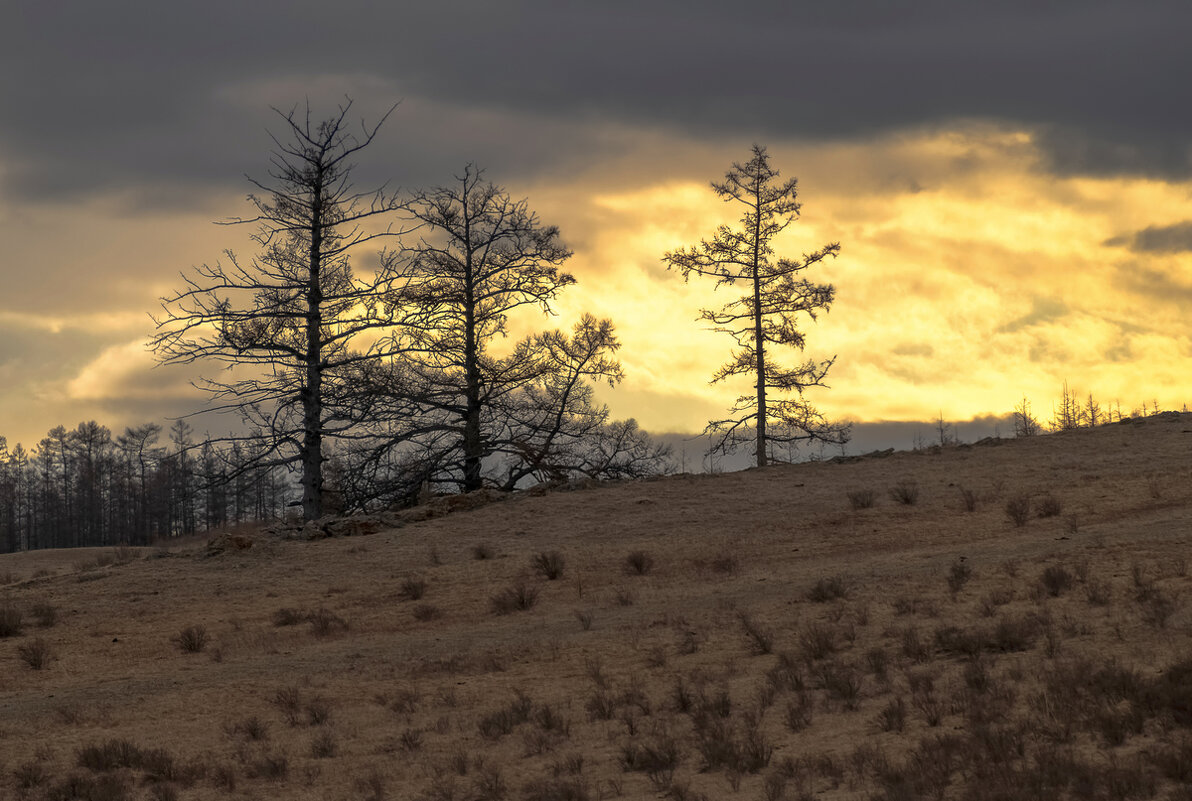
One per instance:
(312, 397)
(473, 447)
(758, 344)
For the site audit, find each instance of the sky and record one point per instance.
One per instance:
(1010, 183)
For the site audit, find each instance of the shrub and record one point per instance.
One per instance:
(325, 623)
(273, 767)
(289, 701)
(1098, 593)
(318, 711)
(842, 683)
(503, 721)
(1018, 509)
(724, 562)
(37, 653)
(252, 728)
(968, 499)
(828, 589)
(1049, 506)
(30, 774)
(1157, 607)
(798, 712)
(46, 615)
(481, 551)
(10, 621)
(288, 616)
(425, 613)
(638, 563)
(761, 641)
(892, 717)
(192, 639)
(517, 598)
(817, 642)
(958, 575)
(549, 564)
(1055, 579)
(905, 492)
(585, 619)
(412, 589)
(862, 498)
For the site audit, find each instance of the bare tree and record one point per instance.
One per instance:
(287, 325)
(766, 315)
(482, 256)
(1025, 423)
(556, 429)
(1068, 416)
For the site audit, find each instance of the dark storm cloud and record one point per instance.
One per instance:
(1158, 239)
(120, 94)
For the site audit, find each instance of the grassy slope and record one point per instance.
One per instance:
(1001, 683)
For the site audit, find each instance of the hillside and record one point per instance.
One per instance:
(750, 635)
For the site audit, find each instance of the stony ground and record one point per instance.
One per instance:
(759, 635)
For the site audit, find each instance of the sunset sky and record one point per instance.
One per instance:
(1011, 187)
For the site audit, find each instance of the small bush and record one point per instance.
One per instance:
(1158, 607)
(481, 551)
(323, 746)
(1056, 580)
(289, 701)
(1098, 593)
(289, 616)
(192, 639)
(549, 564)
(497, 724)
(252, 728)
(585, 619)
(862, 498)
(761, 641)
(517, 598)
(892, 717)
(724, 562)
(318, 711)
(905, 492)
(36, 654)
(424, 613)
(1018, 509)
(10, 621)
(44, 614)
(30, 774)
(798, 712)
(638, 563)
(412, 589)
(968, 499)
(325, 623)
(817, 642)
(1049, 506)
(842, 683)
(828, 589)
(958, 575)
(273, 767)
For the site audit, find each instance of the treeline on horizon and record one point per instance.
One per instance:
(84, 487)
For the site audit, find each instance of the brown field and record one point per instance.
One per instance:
(747, 636)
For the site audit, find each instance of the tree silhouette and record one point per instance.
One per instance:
(765, 316)
(482, 256)
(288, 325)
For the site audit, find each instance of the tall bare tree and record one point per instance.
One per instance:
(765, 316)
(482, 255)
(287, 324)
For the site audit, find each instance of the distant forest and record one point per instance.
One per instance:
(87, 488)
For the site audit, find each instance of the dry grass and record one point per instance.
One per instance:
(777, 644)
